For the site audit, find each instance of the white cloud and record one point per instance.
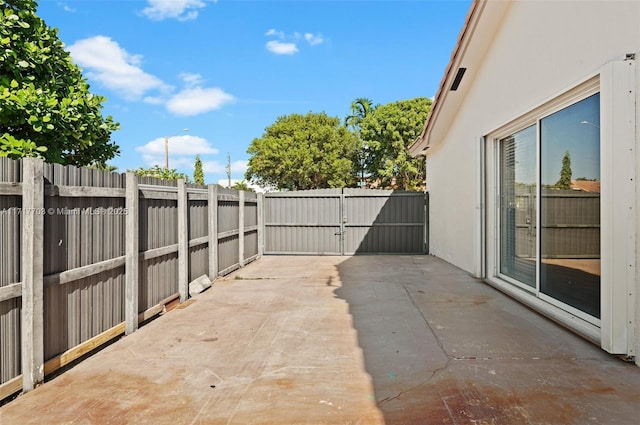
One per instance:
(287, 44)
(115, 68)
(280, 48)
(313, 39)
(182, 150)
(197, 100)
(112, 66)
(217, 167)
(273, 32)
(66, 7)
(239, 166)
(154, 100)
(182, 10)
(191, 80)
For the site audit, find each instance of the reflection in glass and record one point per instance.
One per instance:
(518, 206)
(570, 205)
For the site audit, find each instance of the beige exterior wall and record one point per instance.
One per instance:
(541, 50)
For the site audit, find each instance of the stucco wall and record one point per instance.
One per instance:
(542, 49)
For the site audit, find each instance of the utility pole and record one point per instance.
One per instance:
(227, 168)
(166, 149)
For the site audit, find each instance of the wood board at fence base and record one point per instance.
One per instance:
(14, 385)
(82, 349)
(11, 387)
(91, 344)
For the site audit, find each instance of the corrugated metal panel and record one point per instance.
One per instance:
(158, 227)
(198, 261)
(228, 220)
(77, 311)
(371, 221)
(198, 219)
(81, 231)
(158, 280)
(383, 221)
(10, 170)
(198, 227)
(302, 240)
(227, 216)
(10, 224)
(10, 310)
(250, 244)
(228, 252)
(250, 213)
(250, 219)
(303, 222)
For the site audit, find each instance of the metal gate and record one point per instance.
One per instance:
(346, 222)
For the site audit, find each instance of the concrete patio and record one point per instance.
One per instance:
(342, 340)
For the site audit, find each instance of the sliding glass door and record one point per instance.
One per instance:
(549, 212)
(518, 206)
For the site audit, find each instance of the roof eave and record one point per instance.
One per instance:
(460, 57)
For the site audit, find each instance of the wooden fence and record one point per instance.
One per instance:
(87, 255)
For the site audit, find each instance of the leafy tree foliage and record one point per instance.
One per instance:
(360, 108)
(387, 131)
(198, 173)
(103, 167)
(564, 182)
(242, 185)
(161, 173)
(300, 152)
(46, 108)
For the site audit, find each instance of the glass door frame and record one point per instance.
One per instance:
(493, 166)
(617, 82)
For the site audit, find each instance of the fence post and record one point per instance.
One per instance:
(132, 203)
(183, 241)
(342, 221)
(32, 268)
(241, 228)
(426, 222)
(213, 231)
(260, 212)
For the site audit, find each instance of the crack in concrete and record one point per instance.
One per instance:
(435, 371)
(426, 322)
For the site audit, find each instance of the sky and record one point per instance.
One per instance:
(225, 70)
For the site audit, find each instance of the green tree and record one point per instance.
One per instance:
(300, 152)
(360, 108)
(387, 131)
(198, 174)
(161, 173)
(46, 108)
(242, 185)
(564, 182)
(102, 167)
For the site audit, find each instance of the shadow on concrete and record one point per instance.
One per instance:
(443, 347)
(385, 222)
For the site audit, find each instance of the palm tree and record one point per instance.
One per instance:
(360, 108)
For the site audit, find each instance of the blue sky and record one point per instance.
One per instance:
(226, 70)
